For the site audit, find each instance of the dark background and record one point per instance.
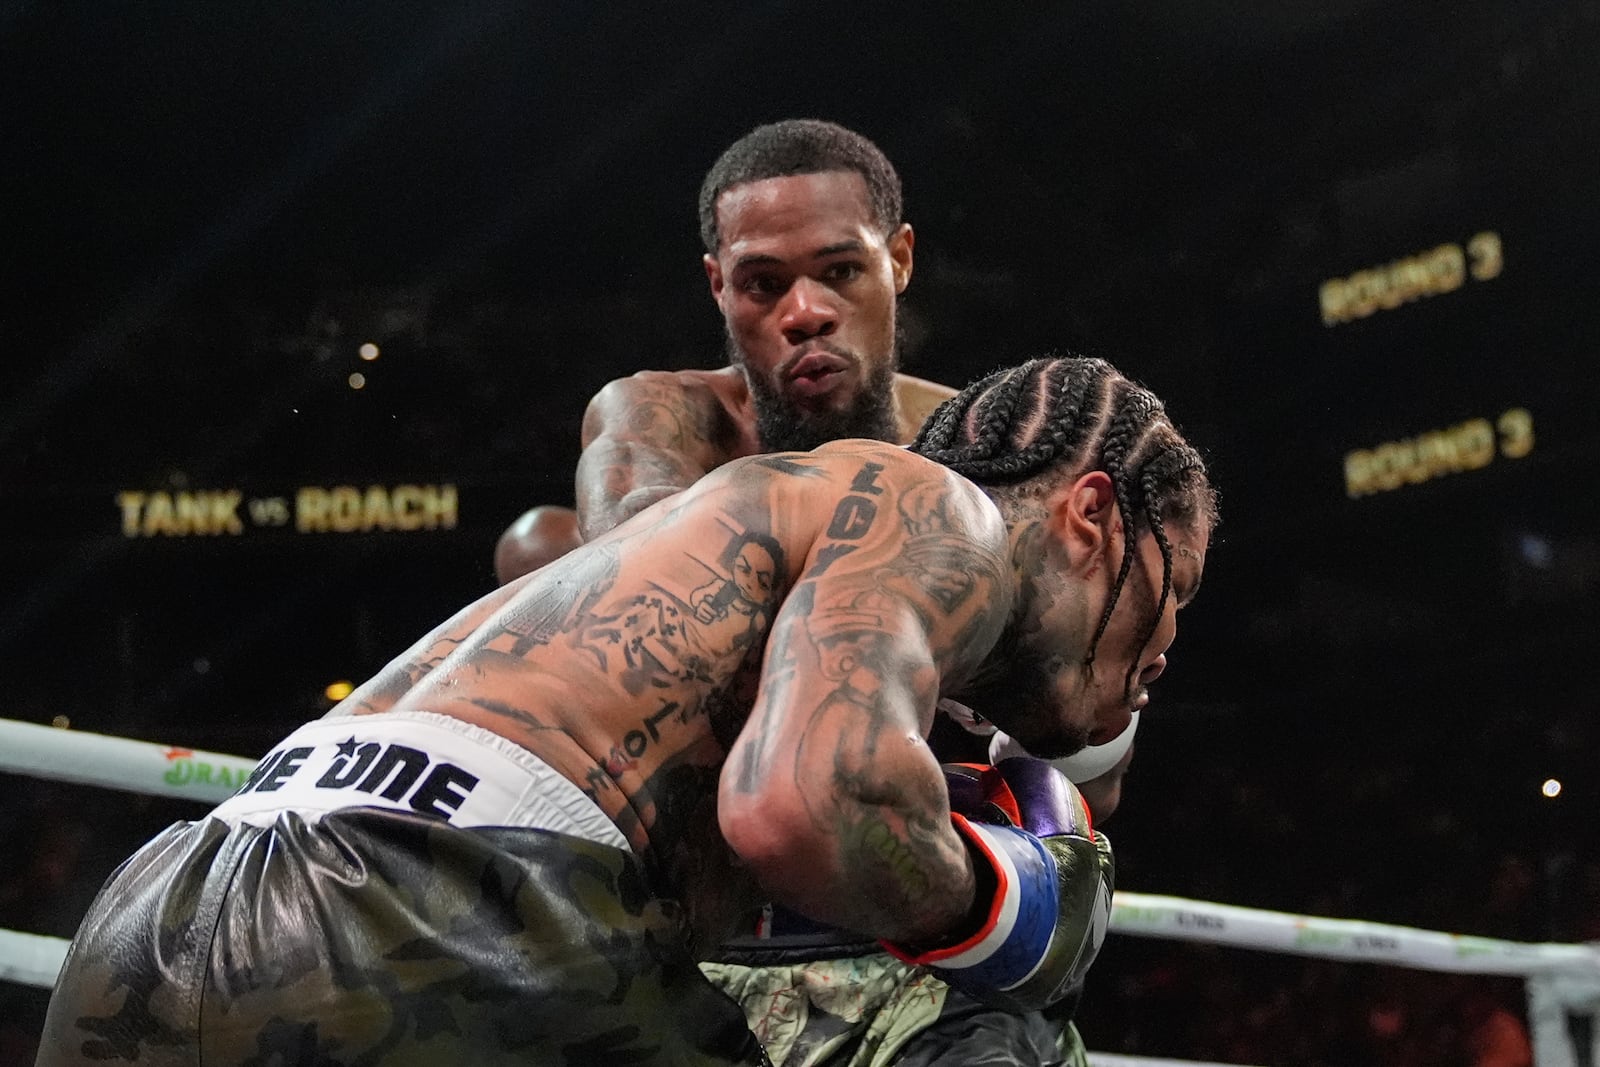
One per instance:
(207, 208)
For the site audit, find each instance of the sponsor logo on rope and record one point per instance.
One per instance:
(1312, 937)
(1467, 946)
(188, 771)
(1138, 915)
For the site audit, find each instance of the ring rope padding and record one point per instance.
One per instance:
(119, 762)
(1351, 940)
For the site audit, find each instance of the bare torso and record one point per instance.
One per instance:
(631, 664)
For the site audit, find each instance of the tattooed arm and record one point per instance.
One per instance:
(830, 793)
(645, 438)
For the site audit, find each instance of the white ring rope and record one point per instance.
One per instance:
(1351, 940)
(31, 959)
(1562, 978)
(119, 762)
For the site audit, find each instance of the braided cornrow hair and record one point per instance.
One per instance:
(1027, 425)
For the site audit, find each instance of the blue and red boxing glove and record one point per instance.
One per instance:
(1049, 878)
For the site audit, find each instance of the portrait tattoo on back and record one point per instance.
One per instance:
(696, 650)
(668, 637)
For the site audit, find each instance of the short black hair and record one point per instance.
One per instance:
(800, 146)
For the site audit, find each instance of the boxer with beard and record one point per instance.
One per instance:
(806, 255)
(514, 842)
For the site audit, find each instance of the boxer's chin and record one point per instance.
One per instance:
(1056, 743)
(785, 426)
(799, 424)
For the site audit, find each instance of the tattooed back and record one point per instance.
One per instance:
(791, 609)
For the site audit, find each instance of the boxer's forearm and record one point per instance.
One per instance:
(888, 871)
(830, 793)
(913, 867)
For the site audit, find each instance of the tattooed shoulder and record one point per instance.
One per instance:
(794, 465)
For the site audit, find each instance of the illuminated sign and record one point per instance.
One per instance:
(313, 509)
(1468, 446)
(1438, 270)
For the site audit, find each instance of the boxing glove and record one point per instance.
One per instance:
(1049, 876)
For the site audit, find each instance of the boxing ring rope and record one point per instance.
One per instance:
(1562, 980)
(118, 762)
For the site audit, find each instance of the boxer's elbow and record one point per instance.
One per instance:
(538, 538)
(778, 842)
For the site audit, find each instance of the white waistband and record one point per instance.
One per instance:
(419, 762)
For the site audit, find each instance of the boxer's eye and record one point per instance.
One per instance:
(763, 285)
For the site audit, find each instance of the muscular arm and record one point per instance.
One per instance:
(830, 793)
(645, 437)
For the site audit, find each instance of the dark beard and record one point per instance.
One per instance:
(1012, 687)
(784, 426)
(1008, 696)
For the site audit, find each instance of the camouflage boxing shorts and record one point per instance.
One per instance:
(820, 997)
(300, 930)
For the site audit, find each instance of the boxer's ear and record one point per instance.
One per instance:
(713, 275)
(900, 244)
(1083, 519)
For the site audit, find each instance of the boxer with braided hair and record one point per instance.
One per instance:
(514, 842)
(1005, 429)
(1061, 446)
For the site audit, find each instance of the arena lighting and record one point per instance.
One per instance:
(369, 351)
(1551, 788)
(337, 691)
(1536, 551)
(357, 380)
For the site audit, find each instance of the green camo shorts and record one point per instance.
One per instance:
(871, 1010)
(382, 937)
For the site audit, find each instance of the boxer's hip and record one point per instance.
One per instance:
(415, 761)
(289, 927)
